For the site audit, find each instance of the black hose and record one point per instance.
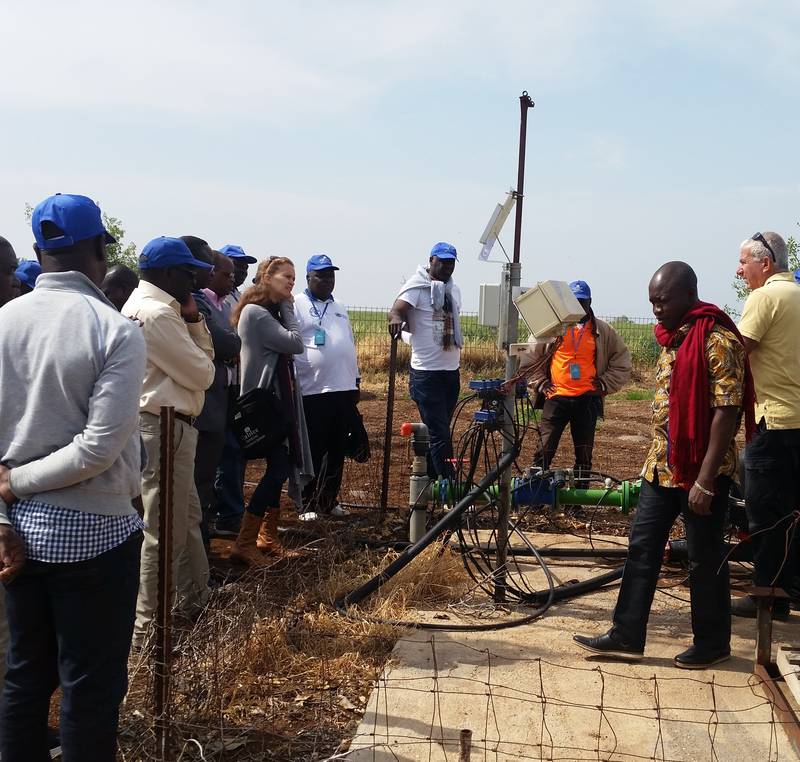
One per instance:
(410, 553)
(573, 589)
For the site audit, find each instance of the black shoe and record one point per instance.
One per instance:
(608, 645)
(694, 658)
(229, 528)
(746, 607)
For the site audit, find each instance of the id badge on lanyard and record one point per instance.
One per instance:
(319, 337)
(574, 367)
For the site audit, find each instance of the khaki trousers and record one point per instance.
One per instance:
(189, 560)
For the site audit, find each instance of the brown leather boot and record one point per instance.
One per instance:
(268, 540)
(244, 547)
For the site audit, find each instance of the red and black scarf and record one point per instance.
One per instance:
(689, 410)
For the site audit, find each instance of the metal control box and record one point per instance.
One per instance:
(549, 308)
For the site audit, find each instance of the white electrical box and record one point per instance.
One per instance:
(489, 305)
(549, 308)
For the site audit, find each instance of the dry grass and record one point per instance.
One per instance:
(271, 671)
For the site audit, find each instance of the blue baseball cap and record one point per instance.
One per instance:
(444, 250)
(237, 252)
(797, 276)
(581, 289)
(77, 217)
(168, 252)
(320, 262)
(28, 271)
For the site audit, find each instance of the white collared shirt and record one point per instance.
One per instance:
(333, 366)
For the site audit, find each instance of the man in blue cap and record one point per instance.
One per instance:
(69, 535)
(229, 484)
(27, 272)
(571, 376)
(180, 368)
(241, 263)
(329, 380)
(429, 305)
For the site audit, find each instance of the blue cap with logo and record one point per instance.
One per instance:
(28, 271)
(168, 252)
(581, 289)
(237, 252)
(320, 262)
(444, 250)
(77, 218)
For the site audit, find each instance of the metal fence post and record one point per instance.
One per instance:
(163, 618)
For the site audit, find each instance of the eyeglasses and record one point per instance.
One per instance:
(760, 238)
(190, 271)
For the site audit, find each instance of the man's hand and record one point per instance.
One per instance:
(12, 553)
(699, 502)
(398, 316)
(395, 326)
(545, 387)
(6, 493)
(189, 311)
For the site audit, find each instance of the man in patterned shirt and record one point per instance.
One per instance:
(71, 370)
(703, 384)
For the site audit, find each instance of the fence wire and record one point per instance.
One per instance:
(535, 709)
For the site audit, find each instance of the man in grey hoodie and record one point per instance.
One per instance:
(71, 370)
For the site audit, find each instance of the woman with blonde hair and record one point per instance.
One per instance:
(270, 334)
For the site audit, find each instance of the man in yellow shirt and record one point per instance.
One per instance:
(573, 374)
(770, 326)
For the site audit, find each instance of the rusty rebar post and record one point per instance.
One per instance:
(387, 437)
(764, 598)
(165, 589)
(465, 745)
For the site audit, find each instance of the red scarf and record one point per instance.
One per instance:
(689, 411)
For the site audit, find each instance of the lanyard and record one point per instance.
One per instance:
(314, 309)
(576, 343)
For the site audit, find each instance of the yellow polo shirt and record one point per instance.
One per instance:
(772, 318)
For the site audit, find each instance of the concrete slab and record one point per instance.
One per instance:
(529, 693)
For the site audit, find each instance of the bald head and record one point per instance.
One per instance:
(8, 265)
(673, 292)
(119, 283)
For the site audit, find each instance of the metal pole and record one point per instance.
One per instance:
(165, 590)
(387, 437)
(464, 745)
(511, 281)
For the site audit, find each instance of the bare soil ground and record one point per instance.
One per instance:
(269, 671)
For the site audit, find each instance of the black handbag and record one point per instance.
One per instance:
(259, 422)
(357, 446)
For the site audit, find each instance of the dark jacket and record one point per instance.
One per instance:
(227, 345)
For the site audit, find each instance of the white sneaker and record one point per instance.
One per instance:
(338, 511)
(308, 516)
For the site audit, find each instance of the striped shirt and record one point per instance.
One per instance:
(62, 536)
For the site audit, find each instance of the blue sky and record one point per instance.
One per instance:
(371, 130)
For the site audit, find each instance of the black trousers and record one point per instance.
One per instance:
(71, 625)
(581, 414)
(656, 512)
(206, 459)
(328, 420)
(772, 493)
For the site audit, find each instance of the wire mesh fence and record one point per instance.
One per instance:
(520, 707)
(361, 484)
(480, 342)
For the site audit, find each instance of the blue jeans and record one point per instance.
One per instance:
(71, 625)
(229, 484)
(436, 394)
(268, 492)
(656, 512)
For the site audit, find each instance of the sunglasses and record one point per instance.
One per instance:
(760, 238)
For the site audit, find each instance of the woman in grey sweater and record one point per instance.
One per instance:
(270, 336)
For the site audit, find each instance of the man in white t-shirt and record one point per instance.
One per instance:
(429, 305)
(328, 375)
